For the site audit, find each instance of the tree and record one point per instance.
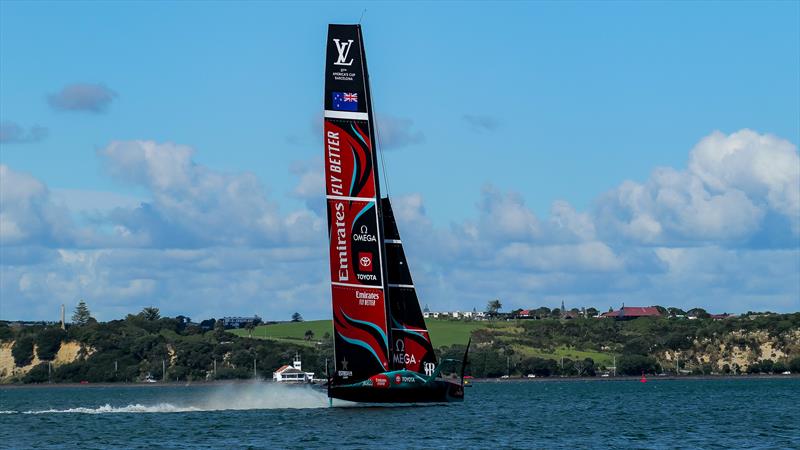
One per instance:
(249, 326)
(676, 311)
(794, 365)
(296, 317)
(81, 316)
(700, 313)
(150, 313)
(635, 364)
(493, 306)
(22, 351)
(309, 335)
(591, 312)
(48, 342)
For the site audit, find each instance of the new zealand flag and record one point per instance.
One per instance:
(345, 101)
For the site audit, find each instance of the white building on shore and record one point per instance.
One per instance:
(293, 373)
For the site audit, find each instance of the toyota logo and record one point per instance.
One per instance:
(365, 261)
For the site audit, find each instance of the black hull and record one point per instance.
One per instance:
(436, 391)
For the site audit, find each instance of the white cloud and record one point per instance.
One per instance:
(206, 243)
(766, 167)
(192, 205)
(731, 185)
(27, 213)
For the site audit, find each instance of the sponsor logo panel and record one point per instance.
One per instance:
(354, 249)
(380, 381)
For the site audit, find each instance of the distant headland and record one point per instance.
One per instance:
(528, 343)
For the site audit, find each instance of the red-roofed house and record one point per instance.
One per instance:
(633, 312)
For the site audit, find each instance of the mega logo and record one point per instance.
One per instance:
(400, 356)
(344, 49)
(364, 236)
(365, 261)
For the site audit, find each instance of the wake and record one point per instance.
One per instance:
(250, 396)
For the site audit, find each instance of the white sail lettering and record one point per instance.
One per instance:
(334, 163)
(341, 242)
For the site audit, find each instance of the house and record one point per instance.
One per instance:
(525, 314)
(293, 373)
(239, 322)
(570, 314)
(632, 312)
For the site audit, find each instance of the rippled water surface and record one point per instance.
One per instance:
(752, 413)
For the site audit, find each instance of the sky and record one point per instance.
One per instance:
(599, 153)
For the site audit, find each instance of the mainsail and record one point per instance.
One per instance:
(352, 187)
(382, 349)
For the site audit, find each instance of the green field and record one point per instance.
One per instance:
(290, 331)
(443, 332)
(599, 358)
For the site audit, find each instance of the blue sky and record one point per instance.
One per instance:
(591, 152)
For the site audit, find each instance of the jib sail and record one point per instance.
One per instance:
(361, 335)
(410, 340)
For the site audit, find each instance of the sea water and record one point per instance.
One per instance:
(720, 413)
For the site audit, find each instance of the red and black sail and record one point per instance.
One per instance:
(411, 342)
(354, 228)
(382, 348)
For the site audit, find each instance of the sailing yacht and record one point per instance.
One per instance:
(383, 350)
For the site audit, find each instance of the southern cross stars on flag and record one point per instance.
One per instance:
(345, 101)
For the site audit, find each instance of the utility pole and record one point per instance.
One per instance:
(615, 365)
(49, 366)
(115, 366)
(255, 374)
(163, 370)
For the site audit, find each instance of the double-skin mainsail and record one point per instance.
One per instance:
(382, 348)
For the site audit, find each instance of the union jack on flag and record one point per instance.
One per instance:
(345, 101)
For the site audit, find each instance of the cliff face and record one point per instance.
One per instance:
(69, 352)
(737, 349)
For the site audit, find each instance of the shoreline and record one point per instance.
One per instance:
(473, 381)
(638, 377)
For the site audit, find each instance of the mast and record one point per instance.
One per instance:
(379, 203)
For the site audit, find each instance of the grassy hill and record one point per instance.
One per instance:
(443, 332)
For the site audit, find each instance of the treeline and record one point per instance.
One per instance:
(168, 348)
(146, 344)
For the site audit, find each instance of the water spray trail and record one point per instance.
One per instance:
(249, 396)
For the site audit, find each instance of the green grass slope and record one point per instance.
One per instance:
(443, 332)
